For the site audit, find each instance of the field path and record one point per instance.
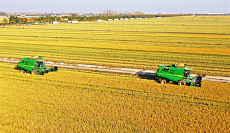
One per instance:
(131, 71)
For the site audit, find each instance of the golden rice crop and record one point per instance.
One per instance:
(201, 42)
(72, 101)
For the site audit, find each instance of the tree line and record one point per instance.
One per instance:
(43, 19)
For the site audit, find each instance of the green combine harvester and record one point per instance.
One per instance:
(177, 73)
(34, 65)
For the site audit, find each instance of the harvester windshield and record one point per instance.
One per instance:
(187, 72)
(21, 60)
(40, 63)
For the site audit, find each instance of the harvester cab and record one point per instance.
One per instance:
(40, 64)
(177, 73)
(34, 65)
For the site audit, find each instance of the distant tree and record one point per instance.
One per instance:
(74, 14)
(12, 19)
(48, 18)
(5, 20)
(42, 19)
(58, 18)
(18, 20)
(24, 20)
(53, 18)
(38, 19)
(84, 18)
(33, 19)
(64, 18)
(69, 18)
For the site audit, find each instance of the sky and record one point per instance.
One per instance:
(121, 6)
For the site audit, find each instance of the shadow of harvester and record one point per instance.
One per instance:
(149, 76)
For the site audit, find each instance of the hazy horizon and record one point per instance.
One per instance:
(90, 6)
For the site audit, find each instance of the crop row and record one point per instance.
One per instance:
(135, 44)
(122, 58)
(146, 65)
(113, 51)
(152, 38)
(71, 101)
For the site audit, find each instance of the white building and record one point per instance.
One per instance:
(75, 21)
(55, 22)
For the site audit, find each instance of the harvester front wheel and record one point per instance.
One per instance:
(163, 81)
(181, 82)
(33, 72)
(22, 71)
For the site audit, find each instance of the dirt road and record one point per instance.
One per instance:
(131, 71)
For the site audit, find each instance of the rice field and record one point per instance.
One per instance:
(200, 42)
(73, 101)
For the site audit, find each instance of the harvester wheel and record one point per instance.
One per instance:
(22, 71)
(163, 81)
(181, 82)
(34, 72)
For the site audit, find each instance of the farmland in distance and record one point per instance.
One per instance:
(201, 42)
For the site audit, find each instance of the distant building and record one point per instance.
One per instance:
(23, 16)
(56, 15)
(73, 21)
(35, 23)
(55, 22)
